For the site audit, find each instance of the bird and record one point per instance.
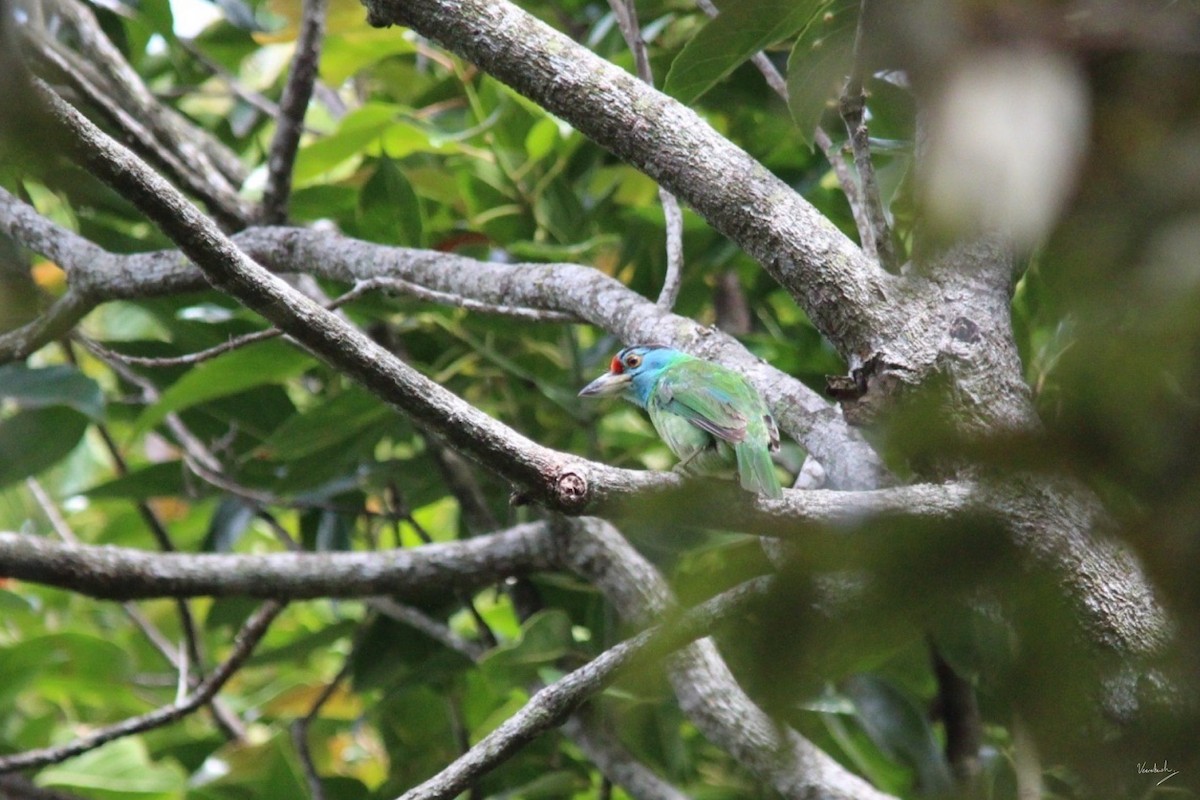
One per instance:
(710, 416)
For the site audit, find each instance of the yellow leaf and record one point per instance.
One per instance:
(49, 276)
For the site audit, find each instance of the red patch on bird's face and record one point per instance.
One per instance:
(616, 367)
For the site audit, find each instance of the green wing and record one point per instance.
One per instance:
(708, 396)
(722, 403)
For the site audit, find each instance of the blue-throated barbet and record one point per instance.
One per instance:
(709, 415)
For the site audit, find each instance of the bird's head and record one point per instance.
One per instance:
(633, 372)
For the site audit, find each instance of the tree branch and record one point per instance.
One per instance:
(543, 289)
(839, 288)
(551, 705)
(243, 645)
(292, 107)
(114, 573)
(708, 693)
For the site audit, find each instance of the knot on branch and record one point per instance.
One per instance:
(571, 488)
(868, 391)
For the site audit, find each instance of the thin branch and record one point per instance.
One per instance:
(853, 109)
(551, 705)
(243, 645)
(116, 573)
(627, 21)
(299, 728)
(195, 145)
(228, 722)
(293, 106)
(226, 719)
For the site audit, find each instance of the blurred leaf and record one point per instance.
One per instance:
(545, 638)
(229, 522)
(742, 29)
(119, 769)
(51, 386)
(820, 61)
(898, 727)
(357, 130)
(155, 480)
(227, 374)
(344, 54)
(37, 439)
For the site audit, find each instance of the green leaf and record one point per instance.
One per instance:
(541, 139)
(264, 363)
(155, 480)
(742, 29)
(52, 386)
(545, 638)
(819, 63)
(324, 426)
(34, 440)
(389, 210)
(119, 769)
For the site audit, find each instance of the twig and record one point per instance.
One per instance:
(220, 197)
(551, 705)
(626, 14)
(226, 720)
(853, 110)
(243, 645)
(419, 620)
(299, 728)
(293, 106)
(401, 511)
(191, 359)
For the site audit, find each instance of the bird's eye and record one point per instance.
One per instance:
(633, 361)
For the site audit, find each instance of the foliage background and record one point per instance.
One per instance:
(408, 145)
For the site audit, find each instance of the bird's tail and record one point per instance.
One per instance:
(756, 473)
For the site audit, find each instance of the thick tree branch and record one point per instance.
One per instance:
(830, 277)
(243, 646)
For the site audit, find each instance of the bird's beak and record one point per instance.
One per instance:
(608, 383)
